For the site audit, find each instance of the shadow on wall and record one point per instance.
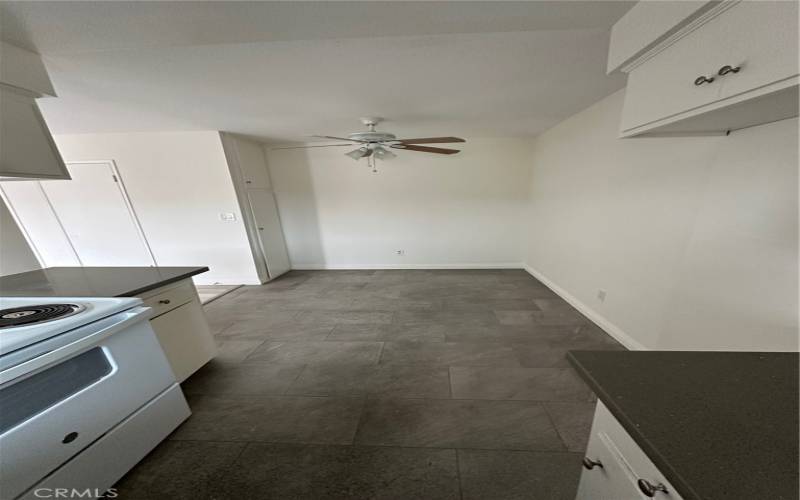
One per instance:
(294, 190)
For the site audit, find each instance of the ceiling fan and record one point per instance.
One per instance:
(373, 144)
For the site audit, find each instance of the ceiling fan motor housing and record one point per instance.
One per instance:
(372, 136)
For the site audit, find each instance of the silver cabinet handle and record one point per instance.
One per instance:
(590, 464)
(728, 69)
(703, 79)
(650, 489)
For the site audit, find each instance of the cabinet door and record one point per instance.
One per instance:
(664, 86)
(253, 165)
(612, 481)
(623, 464)
(762, 40)
(185, 338)
(26, 147)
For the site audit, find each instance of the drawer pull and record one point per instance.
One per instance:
(703, 79)
(590, 464)
(650, 489)
(70, 437)
(164, 301)
(728, 69)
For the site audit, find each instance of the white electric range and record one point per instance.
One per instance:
(85, 393)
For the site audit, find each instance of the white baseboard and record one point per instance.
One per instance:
(610, 328)
(374, 267)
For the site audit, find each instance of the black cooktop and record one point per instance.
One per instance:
(28, 315)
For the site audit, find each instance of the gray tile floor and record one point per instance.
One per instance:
(383, 384)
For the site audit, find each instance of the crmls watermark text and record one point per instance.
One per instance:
(74, 493)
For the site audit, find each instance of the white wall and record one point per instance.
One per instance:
(16, 255)
(694, 239)
(455, 211)
(179, 184)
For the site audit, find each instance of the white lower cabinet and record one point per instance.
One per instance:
(181, 327)
(615, 468)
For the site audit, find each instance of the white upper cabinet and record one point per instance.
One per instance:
(762, 40)
(27, 149)
(253, 165)
(26, 146)
(678, 83)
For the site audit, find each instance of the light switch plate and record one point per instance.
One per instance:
(227, 216)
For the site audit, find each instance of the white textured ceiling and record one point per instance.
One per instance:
(283, 71)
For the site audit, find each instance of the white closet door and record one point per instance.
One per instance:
(97, 218)
(270, 233)
(29, 205)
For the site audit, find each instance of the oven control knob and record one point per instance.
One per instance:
(70, 437)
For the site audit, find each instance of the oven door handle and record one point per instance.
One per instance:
(126, 318)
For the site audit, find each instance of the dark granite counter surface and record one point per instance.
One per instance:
(718, 425)
(92, 281)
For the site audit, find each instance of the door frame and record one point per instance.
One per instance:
(118, 180)
(231, 151)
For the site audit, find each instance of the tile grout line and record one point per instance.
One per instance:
(450, 381)
(376, 396)
(256, 348)
(390, 446)
(458, 475)
(330, 332)
(379, 360)
(360, 420)
(296, 378)
(229, 468)
(555, 427)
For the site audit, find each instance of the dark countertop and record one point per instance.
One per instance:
(92, 281)
(716, 424)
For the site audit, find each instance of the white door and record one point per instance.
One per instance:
(270, 233)
(97, 216)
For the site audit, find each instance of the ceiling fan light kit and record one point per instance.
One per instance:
(373, 144)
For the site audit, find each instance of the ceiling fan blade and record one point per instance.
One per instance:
(432, 140)
(319, 146)
(335, 138)
(425, 149)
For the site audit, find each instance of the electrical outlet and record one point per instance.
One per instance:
(601, 295)
(401, 252)
(227, 217)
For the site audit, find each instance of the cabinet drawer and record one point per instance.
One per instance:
(167, 299)
(624, 464)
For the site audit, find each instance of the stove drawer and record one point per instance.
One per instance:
(102, 464)
(69, 403)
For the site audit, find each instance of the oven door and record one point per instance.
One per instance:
(53, 406)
